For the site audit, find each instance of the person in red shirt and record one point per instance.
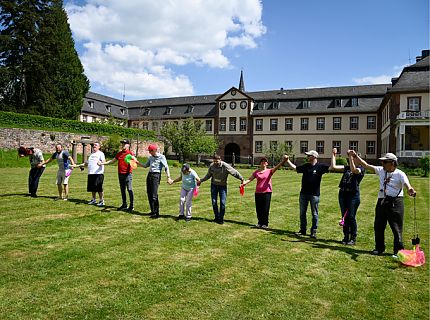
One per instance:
(125, 175)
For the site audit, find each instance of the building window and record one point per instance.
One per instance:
(208, 125)
(91, 104)
(122, 111)
(84, 118)
(190, 109)
(169, 110)
(258, 124)
(108, 108)
(371, 122)
(145, 125)
(273, 124)
(242, 124)
(303, 146)
(337, 103)
(320, 147)
(370, 147)
(414, 103)
(258, 146)
(320, 123)
(288, 124)
(222, 124)
(337, 145)
(353, 123)
(155, 126)
(232, 124)
(337, 123)
(289, 146)
(353, 145)
(273, 145)
(354, 102)
(146, 112)
(306, 104)
(304, 123)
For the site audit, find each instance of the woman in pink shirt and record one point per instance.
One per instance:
(263, 190)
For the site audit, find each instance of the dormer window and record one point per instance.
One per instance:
(354, 102)
(108, 108)
(169, 110)
(337, 103)
(91, 104)
(190, 109)
(146, 112)
(122, 110)
(274, 105)
(306, 104)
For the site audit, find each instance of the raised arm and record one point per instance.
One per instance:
(362, 162)
(352, 165)
(333, 165)
(280, 164)
(292, 165)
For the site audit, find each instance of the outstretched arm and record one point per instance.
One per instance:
(292, 165)
(280, 164)
(102, 163)
(245, 182)
(333, 165)
(363, 163)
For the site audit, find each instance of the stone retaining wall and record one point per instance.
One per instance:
(13, 138)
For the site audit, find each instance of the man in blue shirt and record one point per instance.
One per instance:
(156, 162)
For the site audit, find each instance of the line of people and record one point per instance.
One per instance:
(389, 208)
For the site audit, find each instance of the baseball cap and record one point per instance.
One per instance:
(152, 147)
(312, 153)
(125, 141)
(185, 167)
(389, 156)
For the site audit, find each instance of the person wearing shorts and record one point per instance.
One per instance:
(64, 160)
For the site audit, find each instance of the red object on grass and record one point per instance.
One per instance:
(242, 190)
(413, 258)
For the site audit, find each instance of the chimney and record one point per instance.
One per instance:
(424, 53)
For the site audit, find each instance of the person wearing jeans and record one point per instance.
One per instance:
(36, 165)
(349, 195)
(310, 193)
(218, 173)
(125, 174)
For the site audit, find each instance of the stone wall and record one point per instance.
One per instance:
(13, 138)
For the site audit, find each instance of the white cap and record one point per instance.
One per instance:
(312, 153)
(389, 156)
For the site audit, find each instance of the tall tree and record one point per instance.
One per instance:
(53, 81)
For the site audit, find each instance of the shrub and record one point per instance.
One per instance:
(341, 161)
(425, 165)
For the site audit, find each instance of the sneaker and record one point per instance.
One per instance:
(123, 207)
(155, 216)
(313, 234)
(92, 201)
(65, 199)
(264, 226)
(187, 219)
(181, 216)
(395, 256)
(33, 195)
(258, 225)
(220, 221)
(130, 209)
(345, 240)
(101, 204)
(300, 233)
(376, 252)
(351, 242)
(58, 198)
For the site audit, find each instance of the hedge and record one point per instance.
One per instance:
(20, 120)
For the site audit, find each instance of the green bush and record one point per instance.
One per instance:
(425, 165)
(341, 161)
(19, 120)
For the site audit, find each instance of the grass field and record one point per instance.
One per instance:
(68, 260)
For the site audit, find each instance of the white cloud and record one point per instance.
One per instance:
(146, 39)
(379, 79)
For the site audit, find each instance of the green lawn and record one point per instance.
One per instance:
(69, 260)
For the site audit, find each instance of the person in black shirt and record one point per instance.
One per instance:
(349, 195)
(310, 192)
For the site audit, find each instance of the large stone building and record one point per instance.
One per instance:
(372, 119)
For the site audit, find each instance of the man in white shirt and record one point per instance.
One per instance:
(95, 175)
(390, 206)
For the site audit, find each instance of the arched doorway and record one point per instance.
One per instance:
(228, 153)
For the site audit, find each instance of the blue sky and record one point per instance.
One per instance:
(188, 47)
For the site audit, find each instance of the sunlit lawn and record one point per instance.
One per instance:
(71, 260)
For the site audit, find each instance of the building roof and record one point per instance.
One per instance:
(101, 104)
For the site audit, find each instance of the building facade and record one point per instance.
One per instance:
(372, 119)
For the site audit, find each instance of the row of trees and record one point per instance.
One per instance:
(40, 70)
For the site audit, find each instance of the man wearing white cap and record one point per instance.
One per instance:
(310, 193)
(390, 207)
